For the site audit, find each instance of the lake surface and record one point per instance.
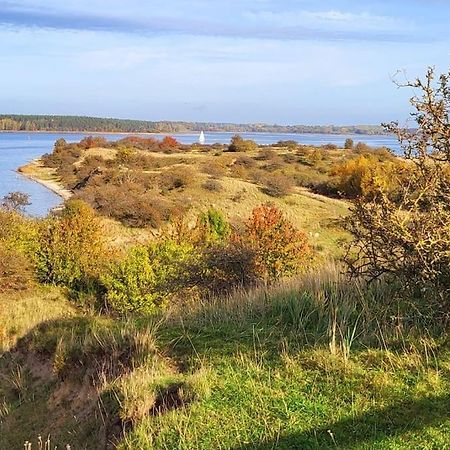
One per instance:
(17, 149)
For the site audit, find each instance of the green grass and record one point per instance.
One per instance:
(317, 362)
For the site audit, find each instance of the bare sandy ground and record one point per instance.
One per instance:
(45, 176)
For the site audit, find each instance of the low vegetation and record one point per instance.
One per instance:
(217, 332)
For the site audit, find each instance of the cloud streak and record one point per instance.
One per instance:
(264, 25)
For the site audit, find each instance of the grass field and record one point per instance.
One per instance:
(312, 363)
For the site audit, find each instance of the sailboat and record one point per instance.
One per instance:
(201, 138)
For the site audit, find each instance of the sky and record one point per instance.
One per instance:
(271, 61)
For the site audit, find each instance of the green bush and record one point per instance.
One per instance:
(146, 279)
(213, 226)
(18, 232)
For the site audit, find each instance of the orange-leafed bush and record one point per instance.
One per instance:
(279, 248)
(169, 143)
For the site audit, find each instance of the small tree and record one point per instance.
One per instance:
(71, 247)
(213, 226)
(348, 144)
(238, 144)
(408, 237)
(15, 201)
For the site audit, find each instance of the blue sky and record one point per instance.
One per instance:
(274, 61)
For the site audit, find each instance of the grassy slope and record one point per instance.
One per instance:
(254, 372)
(258, 369)
(316, 214)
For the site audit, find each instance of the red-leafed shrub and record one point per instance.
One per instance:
(169, 143)
(279, 248)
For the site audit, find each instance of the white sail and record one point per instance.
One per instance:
(201, 138)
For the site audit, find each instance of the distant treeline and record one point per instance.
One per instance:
(17, 122)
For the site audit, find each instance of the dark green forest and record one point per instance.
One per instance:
(16, 122)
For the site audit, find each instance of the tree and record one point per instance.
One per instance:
(407, 238)
(15, 201)
(348, 144)
(238, 144)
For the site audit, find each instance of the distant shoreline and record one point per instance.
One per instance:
(193, 133)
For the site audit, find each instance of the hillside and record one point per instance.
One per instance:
(252, 372)
(160, 185)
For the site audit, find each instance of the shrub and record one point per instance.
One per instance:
(366, 176)
(71, 247)
(125, 155)
(315, 156)
(278, 185)
(245, 161)
(212, 185)
(149, 144)
(176, 178)
(169, 143)
(130, 203)
(224, 268)
(214, 168)
(348, 144)
(280, 249)
(361, 147)
(289, 144)
(16, 270)
(273, 165)
(266, 154)
(408, 240)
(237, 171)
(238, 144)
(145, 280)
(213, 226)
(91, 142)
(18, 232)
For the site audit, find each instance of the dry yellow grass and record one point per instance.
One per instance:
(20, 312)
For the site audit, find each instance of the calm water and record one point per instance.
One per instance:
(16, 149)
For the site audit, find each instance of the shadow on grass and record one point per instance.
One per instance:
(366, 429)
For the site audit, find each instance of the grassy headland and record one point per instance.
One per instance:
(142, 183)
(194, 297)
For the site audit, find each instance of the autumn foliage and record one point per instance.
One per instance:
(169, 143)
(406, 237)
(71, 247)
(366, 176)
(279, 248)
